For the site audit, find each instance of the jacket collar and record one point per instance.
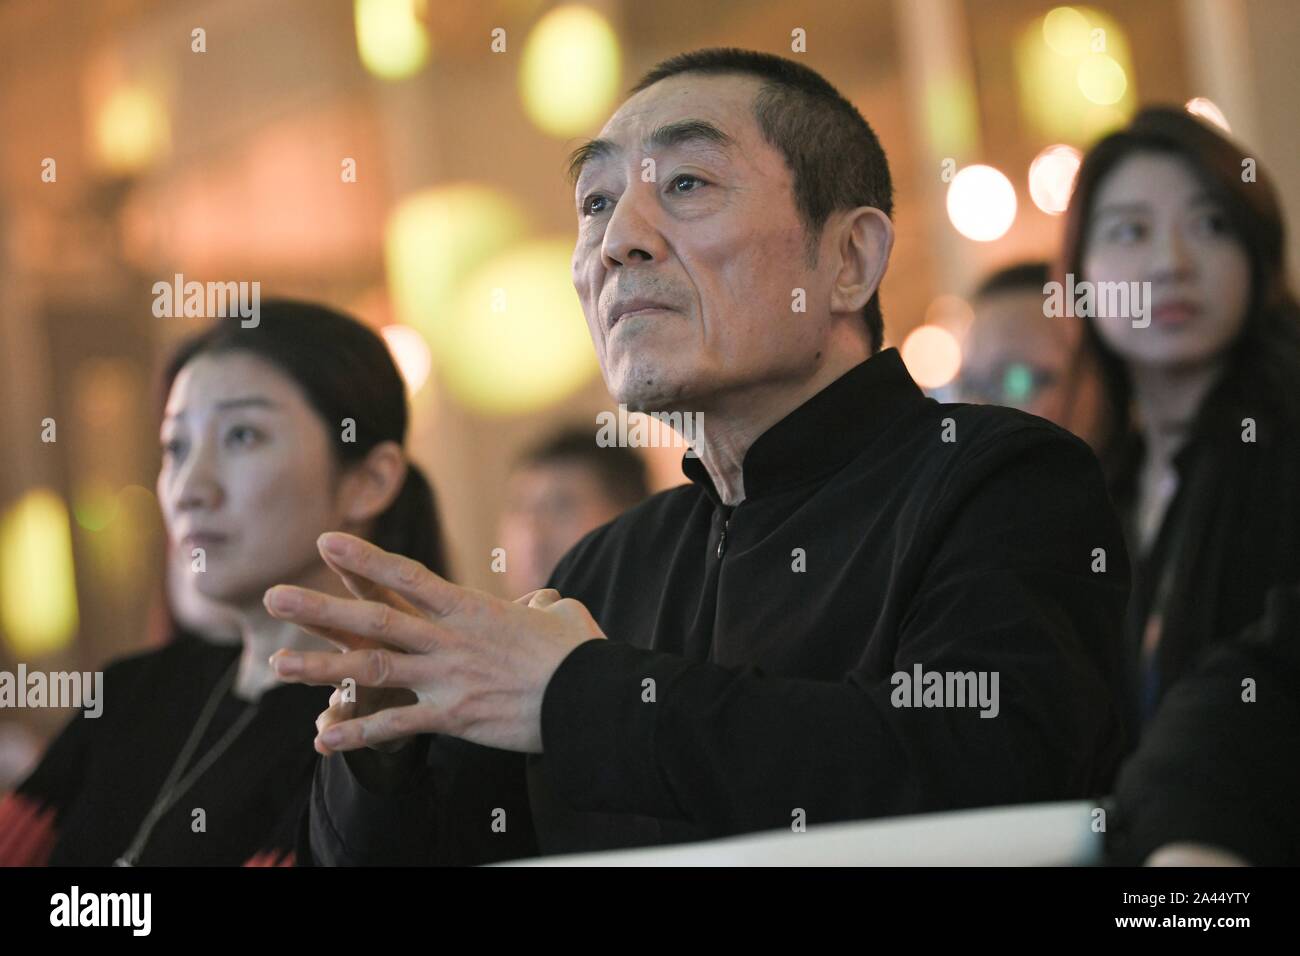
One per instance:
(826, 432)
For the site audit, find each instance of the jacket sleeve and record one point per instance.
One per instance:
(462, 804)
(1004, 585)
(1217, 765)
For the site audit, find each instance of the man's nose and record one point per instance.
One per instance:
(633, 233)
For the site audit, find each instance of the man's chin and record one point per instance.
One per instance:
(649, 388)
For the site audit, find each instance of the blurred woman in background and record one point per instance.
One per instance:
(1200, 425)
(271, 435)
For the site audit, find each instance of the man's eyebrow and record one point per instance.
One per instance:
(664, 137)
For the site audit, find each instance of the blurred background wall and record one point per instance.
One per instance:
(404, 161)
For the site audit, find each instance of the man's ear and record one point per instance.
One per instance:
(865, 239)
(370, 485)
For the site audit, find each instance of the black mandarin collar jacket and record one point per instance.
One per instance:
(748, 681)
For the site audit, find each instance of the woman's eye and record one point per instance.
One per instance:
(589, 205)
(1213, 223)
(242, 435)
(172, 448)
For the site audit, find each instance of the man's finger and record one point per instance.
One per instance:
(389, 724)
(340, 639)
(369, 668)
(367, 619)
(544, 598)
(404, 575)
(367, 590)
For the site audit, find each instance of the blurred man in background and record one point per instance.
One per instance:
(1017, 357)
(556, 493)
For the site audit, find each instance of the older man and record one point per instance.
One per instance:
(865, 603)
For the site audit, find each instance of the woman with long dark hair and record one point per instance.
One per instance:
(1201, 378)
(271, 435)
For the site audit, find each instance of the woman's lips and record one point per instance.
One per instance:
(203, 539)
(1174, 313)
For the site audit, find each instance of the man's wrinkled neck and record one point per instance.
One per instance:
(732, 421)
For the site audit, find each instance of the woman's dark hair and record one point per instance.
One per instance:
(1263, 363)
(345, 371)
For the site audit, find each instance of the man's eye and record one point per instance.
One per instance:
(591, 205)
(687, 178)
(1127, 231)
(172, 448)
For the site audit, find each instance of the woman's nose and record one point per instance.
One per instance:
(1171, 257)
(196, 485)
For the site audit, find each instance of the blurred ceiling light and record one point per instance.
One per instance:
(95, 504)
(410, 353)
(951, 312)
(433, 239)
(951, 113)
(981, 203)
(391, 37)
(1072, 71)
(131, 130)
(1065, 30)
(1051, 178)
(519, 340)
(569, 74)
(1209, 111)
(1101, 79)
(126, 550)
(932, 356)
(38, 590)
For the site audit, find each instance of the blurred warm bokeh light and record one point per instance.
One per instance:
(517, 339)
(1051, 178)
(1073, 65)
(1208, 111)
(434, 238)
(981, 203)
(932, 356)
(38, 596)
(391, 39)
(410, 353)
(404, 159)
(570, 70)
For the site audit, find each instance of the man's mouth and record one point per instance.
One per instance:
(648, 310)
(632, 307)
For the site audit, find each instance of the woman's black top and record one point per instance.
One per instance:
(86, 800)
(1231, 533)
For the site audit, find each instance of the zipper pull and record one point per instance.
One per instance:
(722, 538)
